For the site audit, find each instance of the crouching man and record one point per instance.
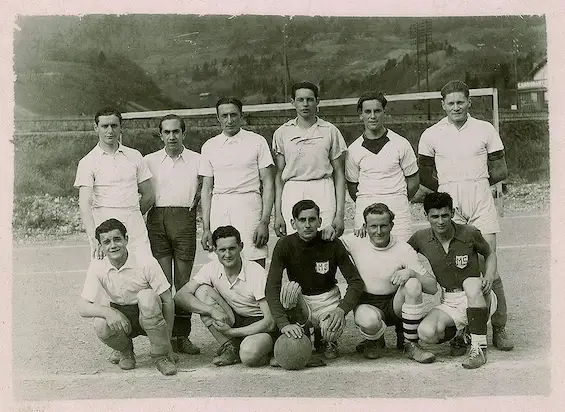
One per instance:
(312, 296)
(467, 297)
(229, 295)
(140, 300)
(394, 281)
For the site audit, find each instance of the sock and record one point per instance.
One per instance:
(411, 317)
(377, 335)
(478, 318)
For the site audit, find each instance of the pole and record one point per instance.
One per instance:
(285, 64)
(427, 28)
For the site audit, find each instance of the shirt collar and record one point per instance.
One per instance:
(391, 243)
(103, 152)
(129, 264)
(445, 121)
(458, 234)
(319, 122)
(241, 275)
(226, 138)
(164, 154)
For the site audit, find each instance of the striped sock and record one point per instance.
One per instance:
(411, 317)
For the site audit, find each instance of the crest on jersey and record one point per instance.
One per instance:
(322, 267)
(461, 261)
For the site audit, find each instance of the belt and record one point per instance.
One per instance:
(453, 290)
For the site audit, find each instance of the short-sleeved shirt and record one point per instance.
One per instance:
(244, 294)
(461, 261)
(376, 265)
(175, 181)
(122, 285)
(308, 152)
(460, 154)
(114, 178)
(383, 173)
(234, 162)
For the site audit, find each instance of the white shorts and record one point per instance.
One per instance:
(321, 191)
(321, 304)
(455, 305)
(399, 205)
(242, 211)
(474, 204)
(138, 240)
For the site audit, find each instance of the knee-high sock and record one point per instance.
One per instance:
(478, 318)
(500, 316)
(412, 315)
(158, 334)
(118, 341)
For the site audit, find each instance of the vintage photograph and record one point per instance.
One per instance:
(276, 206)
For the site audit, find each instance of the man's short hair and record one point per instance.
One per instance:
(378, 209)
(305, 85)
(107, 111)
(225, 231)
(437, 200)
(305, 204)
(229, 100)
(108, 226)
(172, 117)
(371, 96)
(454, 86)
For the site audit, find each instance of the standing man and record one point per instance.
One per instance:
(110, 178)
(381, 167)
(229, 294)
(468, 155)
(237, 185)
(311, 264)
(171, 223)
(310, 156)
(467, 299)
(140, 300)
(394, 281)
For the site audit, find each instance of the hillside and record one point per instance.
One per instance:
(70, 65)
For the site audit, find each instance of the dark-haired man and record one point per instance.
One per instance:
(237, 185)
(394, 282)
(311, 264)
(453, 252)
(381, 167)
(468, 155)
(140, 300)
(171, 223)
(229, 295)
(310, 155)
(110, 178)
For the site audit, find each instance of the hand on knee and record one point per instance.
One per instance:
(102, 329)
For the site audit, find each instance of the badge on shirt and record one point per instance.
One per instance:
(461, 261)
(322, 267)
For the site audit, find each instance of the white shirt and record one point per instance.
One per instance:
(377, 265)
(460, 154)
(234, 162)
(122, 285)
(114, 178)
(308, 152)
(175, 181)
(244, 294)
(383, 173)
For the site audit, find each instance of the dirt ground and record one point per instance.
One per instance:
(56, 355)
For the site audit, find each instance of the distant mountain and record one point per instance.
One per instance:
(69, 65)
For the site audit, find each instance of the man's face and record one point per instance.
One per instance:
(378, 228)
(307, 224)
(230, 118)
(109, 129)
(372, 114)
(456, 106)
(440, 219)
(114, 244)
(228, 251)
(172, 135)
(305, 103)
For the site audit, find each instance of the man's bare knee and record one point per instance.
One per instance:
(102, 329)
(148, 302)
(204, 293)
(368, 319)
(427, 331)
(413, 287)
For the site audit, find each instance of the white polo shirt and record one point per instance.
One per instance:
(383, 173)
(308, 153)
(244, 294)
(122, 285)
(175, 181)
(377, 265)
(114, 178)
(234, 162)
(460, 154)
